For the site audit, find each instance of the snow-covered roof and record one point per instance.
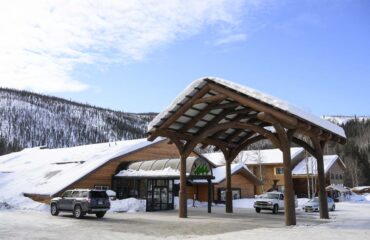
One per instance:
(301, 168)
(360, 188)
(265, 98)
(268, 156)
(48, 171)
(161, 167)
(149, 173)
(338, 188)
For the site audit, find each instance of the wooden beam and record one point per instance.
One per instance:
(199, 116)
(218, 127)
(234, 152)
(215, 98)
(227, 105)
(305, 145)
(237, 118)
(185, 107)
(258, 106)
(188, 137)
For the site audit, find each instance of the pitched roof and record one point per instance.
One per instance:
(276, 103)
(252, 157)
(329, 160)
(48, 171)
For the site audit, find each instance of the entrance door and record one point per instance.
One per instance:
(160, 198)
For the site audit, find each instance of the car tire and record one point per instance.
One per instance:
(258, 210)
(77, 212)
(100, 214)
(333, 208)
(275, 210)
(54, 209)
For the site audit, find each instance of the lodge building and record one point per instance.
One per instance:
(209, 112)
(150, 171)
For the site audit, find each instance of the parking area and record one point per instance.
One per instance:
(149, 225)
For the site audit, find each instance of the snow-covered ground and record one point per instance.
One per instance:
(128, 219)
(350, 221)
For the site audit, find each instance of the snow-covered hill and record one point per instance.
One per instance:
(29, 119)
(344, 119)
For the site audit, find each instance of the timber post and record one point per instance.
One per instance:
(183, 211)
(285, 138)
(319, 148)
(209, 195)
(289, 199)
(229, 194)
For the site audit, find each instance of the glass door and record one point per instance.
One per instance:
(160, 198)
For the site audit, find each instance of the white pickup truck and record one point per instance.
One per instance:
(271, 201)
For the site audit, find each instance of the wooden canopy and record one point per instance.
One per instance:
(231, 117)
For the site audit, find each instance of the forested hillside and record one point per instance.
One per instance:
(356, 153)
(28, 119)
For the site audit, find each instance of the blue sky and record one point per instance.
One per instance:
(314, 54)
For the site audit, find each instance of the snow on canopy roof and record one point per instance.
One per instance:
(273, 101)
(267, 156)
(48, 171)
(301, 168)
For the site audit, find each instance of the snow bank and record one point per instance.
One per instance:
(237, 203)
(20, 202)
(367, 196)
(244, 203)
(360, 198)
(130, 205)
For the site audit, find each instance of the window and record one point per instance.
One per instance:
(67, 194)
(279, 170)
(75, 194)
(337, 176)
(332, 176)
(340, 176)
(101, 187)
(98, 194)
(236, 194)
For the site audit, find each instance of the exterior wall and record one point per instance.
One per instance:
(237, 181)
(268, 177)
(103, 175)
(336, 174)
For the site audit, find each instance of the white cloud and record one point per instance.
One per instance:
(42, 42)
(231, 39)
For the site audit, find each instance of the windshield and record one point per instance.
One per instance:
(314, 200)
(98, 194)
(271, 195)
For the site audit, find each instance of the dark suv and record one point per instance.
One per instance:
(81, 202)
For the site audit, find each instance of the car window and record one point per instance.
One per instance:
(67, 194)
(271, 196)
(84, 194)
(76, 194)
(98, 194)
(281, 197)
